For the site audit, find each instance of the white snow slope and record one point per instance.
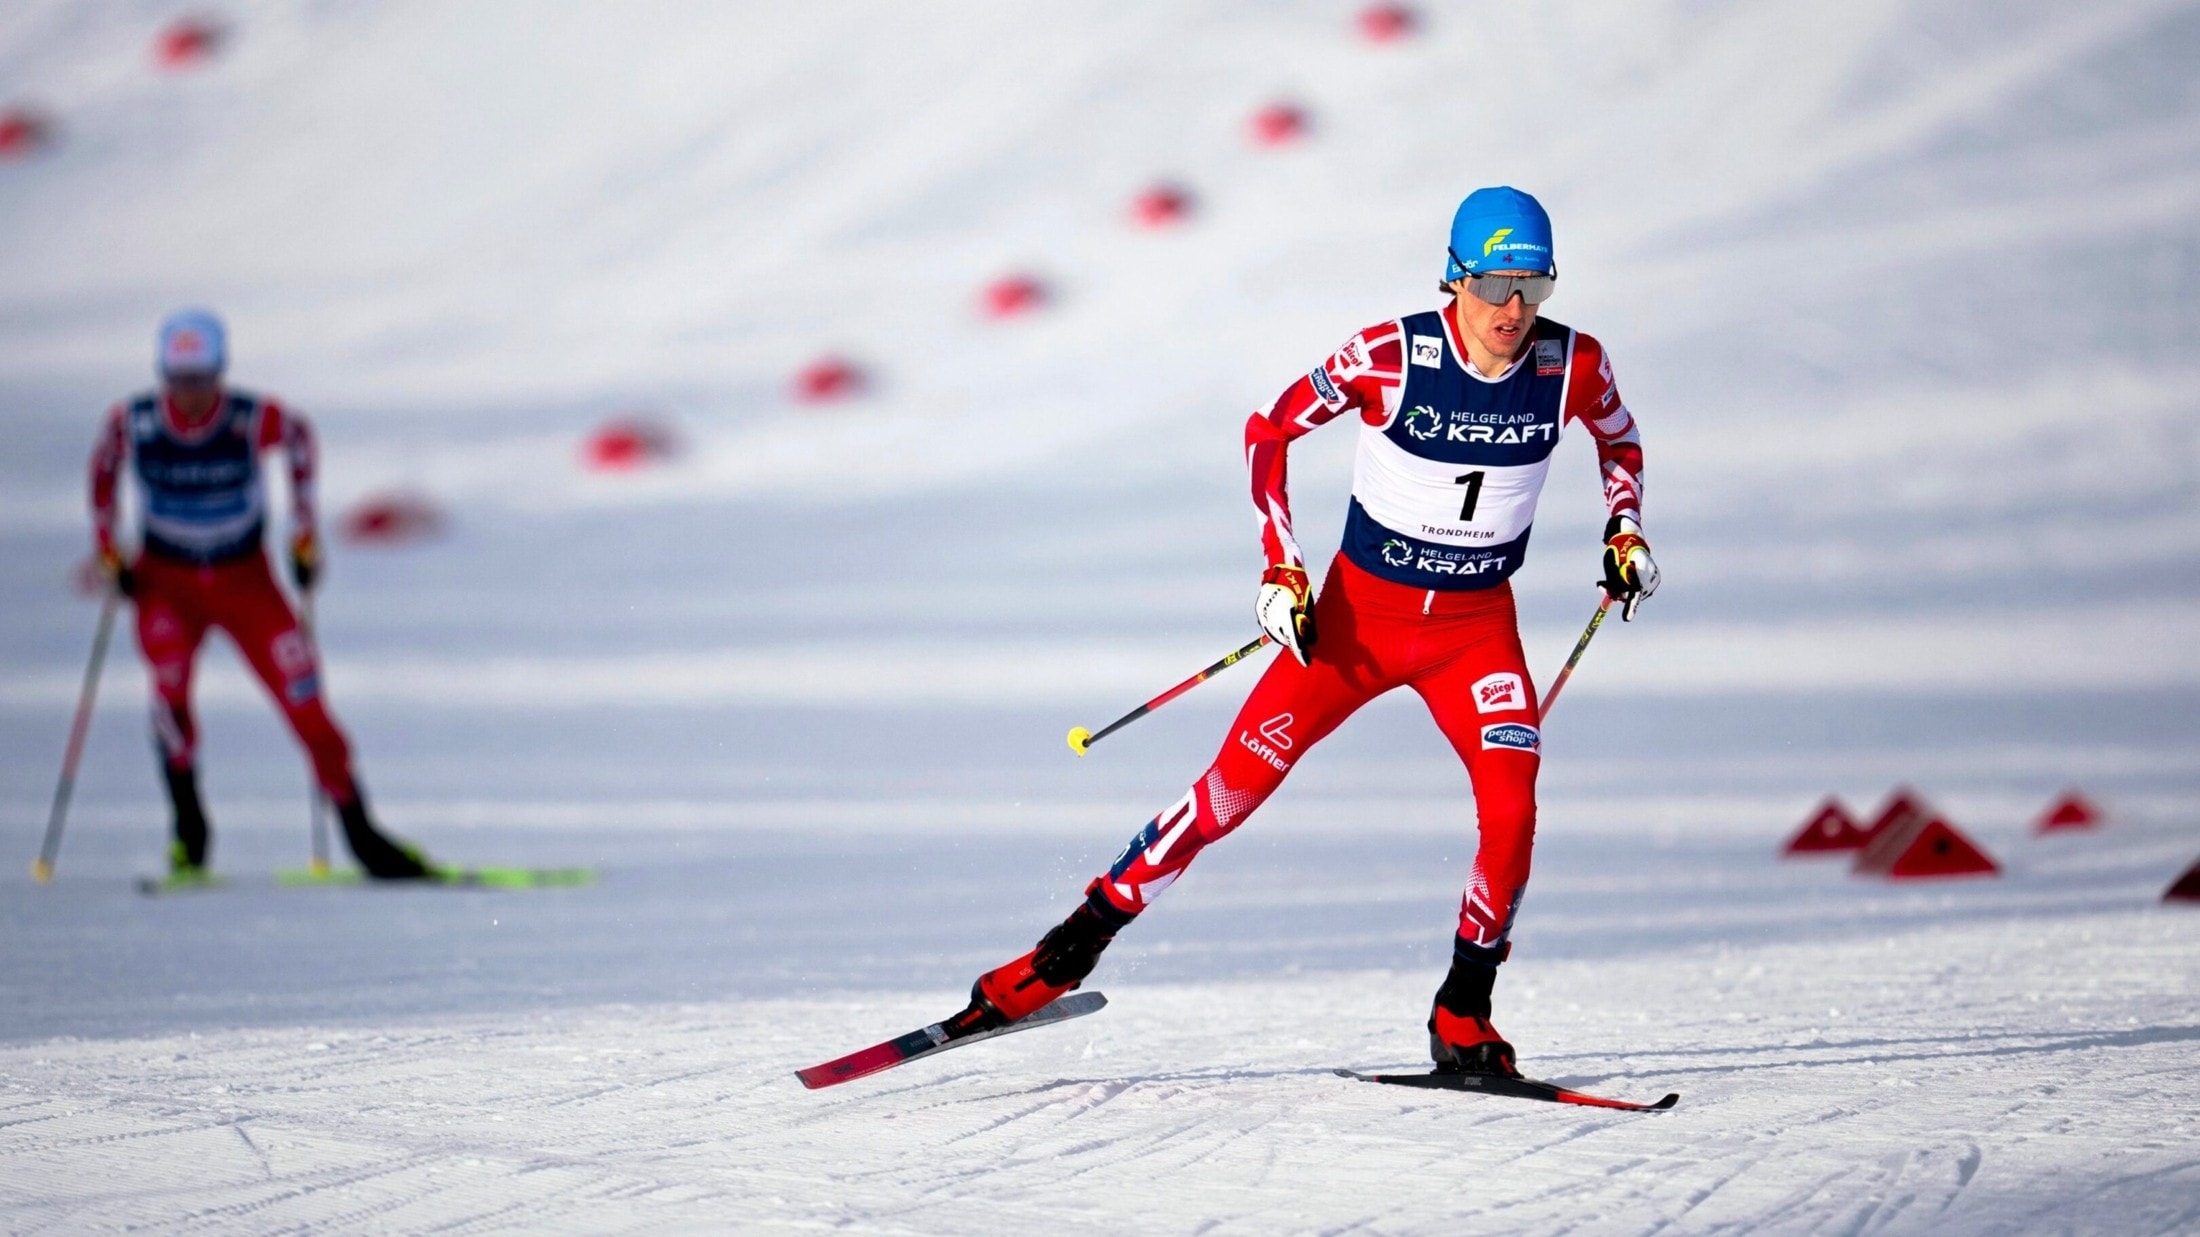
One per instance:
(1906, 295)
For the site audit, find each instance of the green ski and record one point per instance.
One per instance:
(457, 877)
(310, 878)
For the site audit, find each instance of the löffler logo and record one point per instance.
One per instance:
(1276, 731)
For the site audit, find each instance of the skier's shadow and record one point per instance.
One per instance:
(1860, 1053)
(2036, 1044)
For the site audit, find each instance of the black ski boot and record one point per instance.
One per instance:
(1460, 1037)
(1064, 956)
(380, 856)
(187, 853)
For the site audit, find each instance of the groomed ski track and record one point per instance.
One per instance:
(799, 695)
(1862, 1087)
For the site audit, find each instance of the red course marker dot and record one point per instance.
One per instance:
(1278, 124)
(1161, 206)
(187, 44)
(22, 131)
(827, 379)
(1011, 296)
(627, 444)
(391, 520)
(1388, 23)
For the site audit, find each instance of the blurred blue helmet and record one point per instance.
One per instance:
(192, 344)
(1499, 229)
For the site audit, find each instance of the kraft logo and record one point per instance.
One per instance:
(1434, 563)
(1498, 692)
(1495, 238)
(1464, 432)
(1397, 553)
(1277, 730)
(1513, 735)
(1424, 422)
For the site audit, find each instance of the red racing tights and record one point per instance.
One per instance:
(178, 601)
(1459, 650)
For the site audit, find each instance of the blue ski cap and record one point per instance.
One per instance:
(192, 344)
(1499, 229)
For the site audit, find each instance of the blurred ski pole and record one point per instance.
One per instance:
(319, 801)
(1081, 738)
(50, 849)
(1580, 646)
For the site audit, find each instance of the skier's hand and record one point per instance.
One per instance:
(1286, 610)
(118, 572)
(1630, 574)
(305, 561)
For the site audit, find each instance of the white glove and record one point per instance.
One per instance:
(1630, 574)
(1286, 610)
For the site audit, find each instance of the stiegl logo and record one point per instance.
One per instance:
(1495, 693)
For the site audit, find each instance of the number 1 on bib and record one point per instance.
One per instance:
(1473, 482)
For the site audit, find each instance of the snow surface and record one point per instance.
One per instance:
(1907, 296)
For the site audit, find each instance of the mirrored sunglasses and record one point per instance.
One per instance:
(1498, 289)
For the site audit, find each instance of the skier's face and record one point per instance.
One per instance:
(1498, 329)
(193, 396)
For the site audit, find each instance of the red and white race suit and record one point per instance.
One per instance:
(1450, 466)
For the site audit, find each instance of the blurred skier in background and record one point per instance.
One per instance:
(193, 448)
(1460, 409)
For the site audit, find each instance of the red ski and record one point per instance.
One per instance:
(1518, 1088)
(939, 1037)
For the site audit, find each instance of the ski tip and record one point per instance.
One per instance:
(1671, 1098)
(1070, 1005)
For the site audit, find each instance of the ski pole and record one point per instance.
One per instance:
(319, 801)
(50, 849)
(1081, 738)
(1580, 646)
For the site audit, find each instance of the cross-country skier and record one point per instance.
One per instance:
(194, 449)
(1459, 410)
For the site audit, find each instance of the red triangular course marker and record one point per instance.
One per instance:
(2187, 888)
(1901, 808)
(1923, 847)
(1829, 831)
(2072, 811)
